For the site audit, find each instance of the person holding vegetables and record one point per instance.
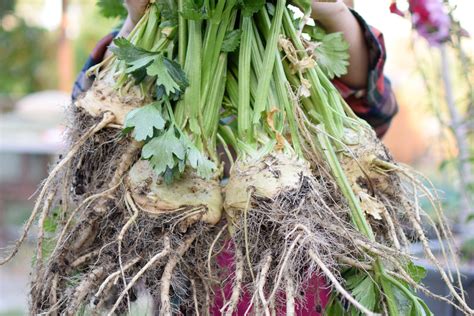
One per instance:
(364, 87)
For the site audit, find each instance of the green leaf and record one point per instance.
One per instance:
(364, 290)
(250, 7)
(194, 10)
(403, 303)
(170, 78)
(112, 8)
(133, 56)
(231, 41)
(304, 5)
(423, 308)
(416, 272)
(50, 225)
(334, 307)
(331, 51)
(164, 151)
(204, 167)
(169, 15)
(144, 121)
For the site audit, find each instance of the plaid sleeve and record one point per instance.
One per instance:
(83, 82)
(376, 104)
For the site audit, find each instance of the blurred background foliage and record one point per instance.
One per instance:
(27, 57)
(29, 50)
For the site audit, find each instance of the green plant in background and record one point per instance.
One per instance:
(6, 7)
(27, 58)
(112, 8)
(451, 100)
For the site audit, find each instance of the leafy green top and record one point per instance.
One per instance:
(231, 41)
(167, 148)
(331, 51)
(170, 79)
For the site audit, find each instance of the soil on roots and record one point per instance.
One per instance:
(284, 231)
(106, 248)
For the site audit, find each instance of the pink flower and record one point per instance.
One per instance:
(430, 20)
(395, 10)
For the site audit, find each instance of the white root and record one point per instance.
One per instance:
(166, 250)
(108, 118)
(424, 240)
(433, 259)
(115, 275)
(236, 290)
(124, 165)
(339, 288)
(354, 263)
(195, 300)
(54, 293)
(246, 234)
(83, 289)
(290, 297)
(90, 199)
(392, 231)
(123, 231)
(213, 244)
(207, 301)
(83, 259)
(125, 162)
(261, 283)
(283, 266)
(165, 309)
(42, 219)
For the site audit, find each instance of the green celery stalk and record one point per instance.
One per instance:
(244, 74)
(261, 99)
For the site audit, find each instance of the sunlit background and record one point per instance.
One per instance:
(44, 43)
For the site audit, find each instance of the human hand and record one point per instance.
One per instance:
(327, 11)
(136, 9)
(335, 16)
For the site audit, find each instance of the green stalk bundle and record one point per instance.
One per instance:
(137, 202)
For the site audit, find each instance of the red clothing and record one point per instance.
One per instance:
(316, 292)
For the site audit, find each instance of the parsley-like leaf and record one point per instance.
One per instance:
(403, 303)
(169, 16)
(129, 53)
(332, 54)
(136, 58)
(164, 151)
(204, 167)
(416, 272)
(364, 290)
(112, 8)
(231, 41)
(144, 121)
(194, 10)
(170, 78)
(250, 7)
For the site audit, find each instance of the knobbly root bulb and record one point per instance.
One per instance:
(191, 192)
(266, 177)
(104, 97)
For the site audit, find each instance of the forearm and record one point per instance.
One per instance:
(127, 27)
(336, 17)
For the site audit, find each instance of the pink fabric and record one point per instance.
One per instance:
(316, 291)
